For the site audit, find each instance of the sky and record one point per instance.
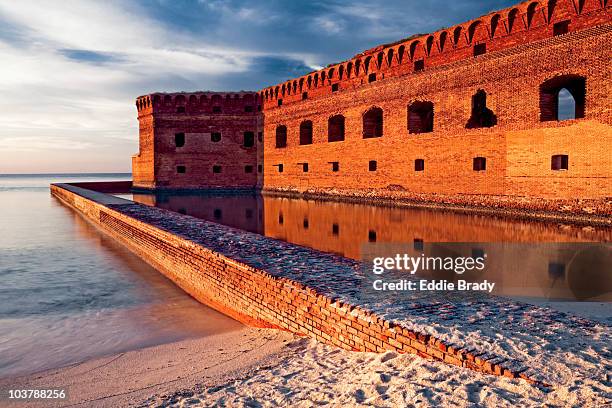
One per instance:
(70, 71)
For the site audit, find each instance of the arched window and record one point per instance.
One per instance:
(373, 123)
(512, 19)
(366, 64)
(413, 48)
(494, 24)
(309, 82)
(301, 84)
(562, 98)
(349, 69)
(482, 117)
(430, 41)
(400, 53)
(281, 136)
(341, 72)
(531, 10)
(442, 40)
(390, 57)
(306, 132)
(316, 80)
(335, 128)
(552, 4)
(380, 58)
(420, 117)
(457, 36)
(322, 78)
(330, 74)
(357, 67)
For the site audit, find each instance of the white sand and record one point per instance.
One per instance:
(309, 374)
(127, 379)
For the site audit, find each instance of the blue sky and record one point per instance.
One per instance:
(71, 70)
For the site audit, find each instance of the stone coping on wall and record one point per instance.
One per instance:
(319, 295)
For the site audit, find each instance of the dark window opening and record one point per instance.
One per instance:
(281, 219)
(373, 123)
(478, 253)
(179, 139)
(304, 95)
(480, 49)
(559, 162)
(248, 169)
(419, 165)
(479, 164)
(418, 244)
(249, 139)
(304, 167)
(217, 214)
(420, 117)
(216, 109)
(280, 102)
(482, 117)
(560, 28)
(248, 213)
(371, 236)
(419, 65)
(305, 223)
(180, 109)
(260, 137)
(556, 270)
(215, 137)
(335, 229)
(306, 132)
(281, 136)
(258, 108)
(372, 165)
(259, 168)
(248, 108)
(335, 87)
(217, 169)
(280, 167)
(562, 98)
(372, 78)
(335, 166)
(181, 169)
(335, 129)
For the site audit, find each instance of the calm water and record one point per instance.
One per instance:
(526, 260)
(68, 293)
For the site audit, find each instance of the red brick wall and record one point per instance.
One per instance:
(161, 116)
(518, 149)
(257, 298)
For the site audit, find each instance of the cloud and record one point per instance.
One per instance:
(70, 70)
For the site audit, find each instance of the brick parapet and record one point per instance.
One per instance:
(253, 295)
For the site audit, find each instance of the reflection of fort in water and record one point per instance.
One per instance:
(554, 269)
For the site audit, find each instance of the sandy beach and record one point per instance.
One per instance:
(260, 368)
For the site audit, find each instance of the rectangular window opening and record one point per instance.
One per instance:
(280, 102)
(179, 139)
(419, 165)
(248, 169)
(181, 169)
(217, 169)
(560, 28)
(249, 139)
(371, 78)
(304, 167)
(259, 168)
(335, 87)
(480, 49)
(215, 137)
(335, 229)
(418, 244)
(216, 109)
(559, 162)
(372, 165)
(419, 65)
(180, 109)
(304, 95)
(335, 166)
(371, 236)
(248, 108)
(480, 164)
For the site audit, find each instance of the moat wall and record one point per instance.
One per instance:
(204, 260)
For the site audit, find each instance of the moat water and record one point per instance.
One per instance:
(533, 261)
(68, 293)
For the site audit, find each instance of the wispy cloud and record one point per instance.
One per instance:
(70, 70)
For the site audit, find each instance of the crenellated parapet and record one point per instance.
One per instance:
(526, 22)
(192, 103)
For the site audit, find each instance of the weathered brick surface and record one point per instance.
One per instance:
(522, 53)
(254, 296)
(195, 116)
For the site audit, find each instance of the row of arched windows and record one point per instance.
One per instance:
(473, 33)
(561, 98)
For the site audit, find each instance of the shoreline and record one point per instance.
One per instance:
(129, 378)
